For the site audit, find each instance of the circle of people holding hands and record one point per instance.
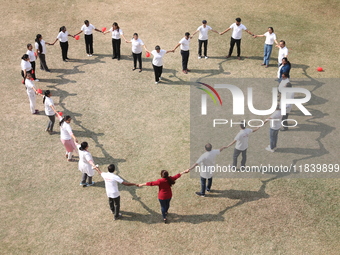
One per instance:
(86, 163)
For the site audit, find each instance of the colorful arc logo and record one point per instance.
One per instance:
(209, 93)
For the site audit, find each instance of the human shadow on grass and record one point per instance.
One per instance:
(153, 217)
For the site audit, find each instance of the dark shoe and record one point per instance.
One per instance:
(200, 194)
(140, 70)
(133, 69)
(263, 64)
(117, 218)
(165, 221)
(188, 70)
(228, 56)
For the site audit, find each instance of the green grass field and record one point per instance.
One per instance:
(144, 128)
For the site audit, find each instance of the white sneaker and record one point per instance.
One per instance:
(36, 80)
(269, 149)
(160, 78)
(206, 57)
(199, 57)
(88, 55)
(156, 82)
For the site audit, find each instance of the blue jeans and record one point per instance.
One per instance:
(204, 186)
(273, 135)
(165, 204)
(267, 52)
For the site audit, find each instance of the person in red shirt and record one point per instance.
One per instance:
(164, 194)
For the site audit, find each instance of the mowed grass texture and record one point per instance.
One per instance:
(144, 128)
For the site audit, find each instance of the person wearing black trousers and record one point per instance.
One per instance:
(137, 51)
(184, 43)
(157, 62)
(40, 46)
(63, 40)
(236, 36)
(116, 41)
(87, 28)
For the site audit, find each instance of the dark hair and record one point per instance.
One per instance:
(271, 29)
(40, 48)
(64, 119)
(116, 25)
(157, 47)
(187, 34)
(243, 125)
(204, 21)
(111, 168)
(208, 147)
(28, 45)
(83, 146)
(165, 174)
(47, 92)
(238, 19)
(286, 59)
(283, 42)
(61, 28)
(135, 34)
(86, 21)
(25, 56)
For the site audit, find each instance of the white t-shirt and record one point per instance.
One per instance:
(43, 44)
(29, 85)
(276, 117)
(111, 185)
(116, 33)
(242, 139)
(203, 32)
(158, 57)
(84, 165)
(237, 30)
(30, 53)
(137, 45)
(283, 52)
(184, 44)
(270, 38)
(87, 29)
(65, 131)
(206, 160)
(63, 36)
(26, 65)
(47, 104)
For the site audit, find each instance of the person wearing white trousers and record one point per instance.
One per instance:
(31, 92)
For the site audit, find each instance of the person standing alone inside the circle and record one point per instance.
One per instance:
(87, 28)
(111, 187)
(203, 38)
(236, 37)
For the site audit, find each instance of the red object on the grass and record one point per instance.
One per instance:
(320, 69)
(147, 54)
(77, 37)
(60, 113)
(35, 53)
(39, 91)
(103, 29)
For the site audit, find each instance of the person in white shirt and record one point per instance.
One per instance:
(275, 125)
(137, 51)
(116, 41)
(268, 45)
(185, 46)
(67, 137)
(111, 187)
(284, 81)
(86, 164)
(241, 140)
(283, 52)
(87, 28)
(50, 111)
(157, 62)
(63, 40)
(206, 161)
(31, 55)
(31, 92)
(203, 38)
(236, 36)
(40, 46)
(26, 66)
